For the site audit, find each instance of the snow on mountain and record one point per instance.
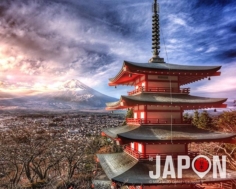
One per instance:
(74, 84)
(72, 95)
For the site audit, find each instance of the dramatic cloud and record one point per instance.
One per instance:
(46, 42)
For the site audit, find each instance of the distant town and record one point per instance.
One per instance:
(73, 125)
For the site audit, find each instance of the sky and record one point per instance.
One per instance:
(44, 43)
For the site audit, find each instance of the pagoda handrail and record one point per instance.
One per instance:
(159, 89)
(152, 156)
(155, 121)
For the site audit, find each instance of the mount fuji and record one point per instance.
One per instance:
(71, 95)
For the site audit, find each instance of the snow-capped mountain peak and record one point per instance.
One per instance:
(74, 84)
(71, 95)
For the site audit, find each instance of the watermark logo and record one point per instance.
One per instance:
(201, 165)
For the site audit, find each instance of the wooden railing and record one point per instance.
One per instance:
(155, 121)
(152, 156)
(160, 89)
(135, 91)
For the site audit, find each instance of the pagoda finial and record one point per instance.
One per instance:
(156, 34)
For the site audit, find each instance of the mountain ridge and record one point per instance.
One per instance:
(72, 95)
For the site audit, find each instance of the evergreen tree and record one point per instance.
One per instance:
(130, 113)
(202, 120)
(205, 121)
(187, 118)
(195, 120)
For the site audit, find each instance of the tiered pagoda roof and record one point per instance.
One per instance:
(187, 74)
(161, 134)
(183, 100)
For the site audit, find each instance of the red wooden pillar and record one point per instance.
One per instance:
(145, 114)
(138, 112)
(146, 82)
(135, 146)
(144, 150)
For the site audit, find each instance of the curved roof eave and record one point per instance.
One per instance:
(174, 67)
(164, 99)
(162, 133)
(132, 66)
(118, 74)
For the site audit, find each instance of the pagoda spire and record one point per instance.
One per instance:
(156, 35)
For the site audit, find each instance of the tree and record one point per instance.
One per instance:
(29, 156)
(195, 119)
(205, 121)
(202, 120)
(130, 113)
(226, 121)
(187, 118)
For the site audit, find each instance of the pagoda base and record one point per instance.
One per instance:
(123, 169)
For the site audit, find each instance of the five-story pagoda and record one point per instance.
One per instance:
(157, 127)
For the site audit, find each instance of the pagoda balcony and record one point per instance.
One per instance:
(139, 121)
(159, 90)
(152, 156)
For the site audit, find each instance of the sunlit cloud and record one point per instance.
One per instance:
(46, 43)
(225, 83)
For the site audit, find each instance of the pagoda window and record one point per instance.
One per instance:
(132, 145)
(140, 148)
(142, 115)
(135, 115)
(143, 84)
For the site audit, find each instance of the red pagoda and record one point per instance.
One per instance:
(157, 126)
